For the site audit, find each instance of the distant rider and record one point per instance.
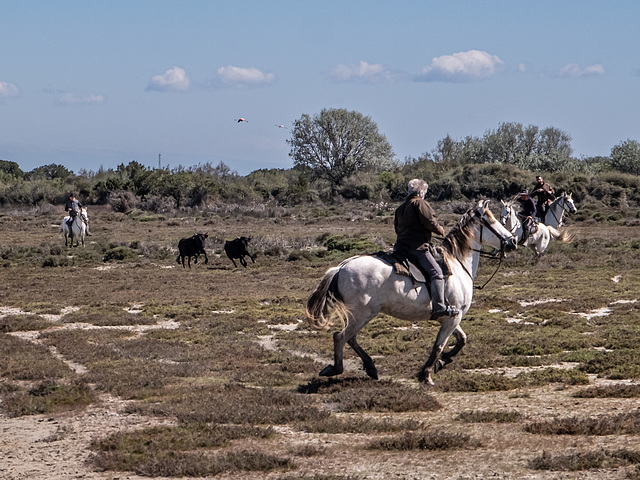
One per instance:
(526, 214)
(414, 222)
(545, 194)
(72, 207)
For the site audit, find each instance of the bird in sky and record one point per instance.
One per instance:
(282, 126)
(241, 120)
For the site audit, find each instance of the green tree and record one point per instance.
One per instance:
(11, 168)
(625, 157)
(336, 143)
(50, 172)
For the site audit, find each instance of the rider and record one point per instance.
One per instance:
(414, 222)
(545, 194)
(72, 207)
(526, 214)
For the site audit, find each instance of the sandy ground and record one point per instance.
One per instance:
(57, 447)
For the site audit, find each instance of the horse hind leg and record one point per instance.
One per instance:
(367, 362)
(348, 335)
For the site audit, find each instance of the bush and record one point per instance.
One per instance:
(119, 254)
(122, 201)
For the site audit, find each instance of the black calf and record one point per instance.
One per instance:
(192, 247)
(238, 249)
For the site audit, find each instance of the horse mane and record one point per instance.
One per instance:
(457, 243)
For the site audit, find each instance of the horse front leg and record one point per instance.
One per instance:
(367, 362)
(448, 326)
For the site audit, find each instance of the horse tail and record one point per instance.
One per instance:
(563, 236)
(325, 303)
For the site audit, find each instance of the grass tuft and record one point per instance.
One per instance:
(621, 424)
(360, 395)
(601, 459)
(610, 391)
(481, 416)
(436, 440)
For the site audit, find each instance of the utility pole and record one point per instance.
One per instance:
(159, 161)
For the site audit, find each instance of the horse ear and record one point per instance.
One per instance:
(502, 202)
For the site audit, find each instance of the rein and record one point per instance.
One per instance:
(492, 255)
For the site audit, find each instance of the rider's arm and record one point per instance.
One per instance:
(428, 218)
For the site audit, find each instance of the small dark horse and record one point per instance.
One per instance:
(192, 247)
(238, 249)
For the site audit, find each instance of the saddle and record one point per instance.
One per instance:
(404, 265)
(529, 227)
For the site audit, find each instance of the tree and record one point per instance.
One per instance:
(50, 172)
(529, 147)
(625, 157)
(11, 168)
(336, 143)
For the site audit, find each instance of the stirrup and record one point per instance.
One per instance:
(449, 311)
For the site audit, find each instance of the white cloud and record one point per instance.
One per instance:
(523, 67)
(461, 67)
(75, 99)
(573, 70)
(8, 90)
(362, 72)
(173, 80)
(231, 76)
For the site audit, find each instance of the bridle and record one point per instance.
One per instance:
(499, 254)
(484, 223)
(564, 208)
(504, 217)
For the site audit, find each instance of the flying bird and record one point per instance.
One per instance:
(241, 120)
(282, 126)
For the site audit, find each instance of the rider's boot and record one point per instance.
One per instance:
(438, 307)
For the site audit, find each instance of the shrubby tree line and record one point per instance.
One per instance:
(339, 154)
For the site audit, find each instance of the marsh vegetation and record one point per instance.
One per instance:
(213, 372)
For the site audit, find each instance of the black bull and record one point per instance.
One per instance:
(238, 249)
(192, 247)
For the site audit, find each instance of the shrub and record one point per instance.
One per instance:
(122, 201)
(120, 254)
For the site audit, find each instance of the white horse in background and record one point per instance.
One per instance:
(361, 287)
(561, 205)
(538, 240)
(78, 228)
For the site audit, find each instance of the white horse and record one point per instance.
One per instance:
(361, 287)
(539, 240)
(561, 205)
(78, 228)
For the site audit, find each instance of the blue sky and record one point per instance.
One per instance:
(97, 83)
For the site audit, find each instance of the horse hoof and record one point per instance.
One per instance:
(330, 371)
(372, 373)
(425, 377)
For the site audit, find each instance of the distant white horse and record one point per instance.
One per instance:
(539, 240)
(561, 205)
(78, 228)
(361, 287)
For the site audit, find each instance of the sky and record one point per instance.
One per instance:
(92, 84)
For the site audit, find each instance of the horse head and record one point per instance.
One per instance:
(508, 215)
(491, 232)
(568, 204)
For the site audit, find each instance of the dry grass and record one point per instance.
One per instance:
(433, 440)
(223, 356)
(598, 459)
(610, 391)
(621, 424)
